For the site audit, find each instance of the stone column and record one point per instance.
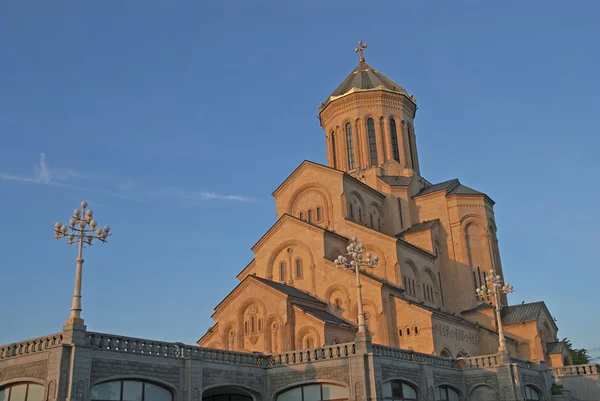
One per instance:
(365, 372)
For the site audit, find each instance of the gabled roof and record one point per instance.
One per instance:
(426, 225)
(326, 317)
(292, 292)
(556, 348)
(438, 187)
(308, 162)
(364, 78)
(452, 187)
(287, 216)
(396, 180)
(522, 313)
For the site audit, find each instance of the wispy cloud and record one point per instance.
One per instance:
(130, 189)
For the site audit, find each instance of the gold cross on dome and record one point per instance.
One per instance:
(361, 46)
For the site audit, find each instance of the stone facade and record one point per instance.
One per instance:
(69, 370)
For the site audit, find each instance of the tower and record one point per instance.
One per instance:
(369, 124)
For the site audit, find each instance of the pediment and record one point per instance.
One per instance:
(284, 221)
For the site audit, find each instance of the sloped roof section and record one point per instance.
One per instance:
(516, 314)
(426, 225)
(461, 189)
(556, 348)
(479, 307)
(365, 77)
(396, 180)
(438, 187)
(326, 317)
(288, 290)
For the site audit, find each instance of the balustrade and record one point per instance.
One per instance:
(482, 361)
(337, 351)
(40, 344)
(575, 370)
(407, 355)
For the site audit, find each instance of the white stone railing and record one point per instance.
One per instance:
(575, 370)
(140, 346)
(335, 351)
(523, 363)
(40, 344)
(407, 355)
(482, 361)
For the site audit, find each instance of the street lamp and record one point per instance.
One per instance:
(356, 259)
(83, 231)
(494, 286)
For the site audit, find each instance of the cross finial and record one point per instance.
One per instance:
(361, 46)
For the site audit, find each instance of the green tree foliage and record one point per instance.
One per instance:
(579, 356)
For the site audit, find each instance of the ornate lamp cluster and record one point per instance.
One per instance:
(494, 286)
(83, 227)
(355, 260)
(83, 231)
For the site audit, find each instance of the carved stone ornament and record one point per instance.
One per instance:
(253, 339)
(252, 310)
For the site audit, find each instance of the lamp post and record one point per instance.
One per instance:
(495, 286)
(356, 259)
(83, 230)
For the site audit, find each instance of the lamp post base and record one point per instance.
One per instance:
(74, 321)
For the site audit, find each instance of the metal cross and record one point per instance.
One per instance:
(361, 46)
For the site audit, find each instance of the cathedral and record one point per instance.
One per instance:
(436, 244)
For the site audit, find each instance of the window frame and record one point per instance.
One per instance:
(394, 140)
(402, 383)
(10, 386)
(531, 388)
(298, 265)
(350, 147)
(282, 271)
(372, 141)
(125, 379)
(446, 389)
(321, 384)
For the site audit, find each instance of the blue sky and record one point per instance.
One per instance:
(176, 120)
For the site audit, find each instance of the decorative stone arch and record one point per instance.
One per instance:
(225, 334)
(337, 288)
(254, 393)
(446, 353)
(477, 386)
(274, 336)
(434, 280)
(453, 386)
(307, 331)
(392, 167)
(286, 244)
(327, 202)
(352, 196)
(240, 317)
(290, 386)
(461, 353)
(408, 262)
(150, 379)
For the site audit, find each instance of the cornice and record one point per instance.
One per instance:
(287, 217)
(304, 164)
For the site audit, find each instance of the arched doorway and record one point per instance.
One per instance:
(228, 393)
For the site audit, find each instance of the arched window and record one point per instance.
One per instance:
(399, 332)
(126, 390)
(309, 343)
(394, 135)
(445, 393)
(360, 215)
(416, 331)
(310, 216)
(531, 393)
(371, 219)
(301, 215)
(22, 392)
(246, 331)
(260, 325)
(338, 304)
(315, 392)
(399, 391)
(298, 268)
(319, 214)
(408, 332)
(282, 271)
(350, 146)
(410, 145)
(445, 353)
(372, 141)
(483, 393)
(378, 224)
(333, 149)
